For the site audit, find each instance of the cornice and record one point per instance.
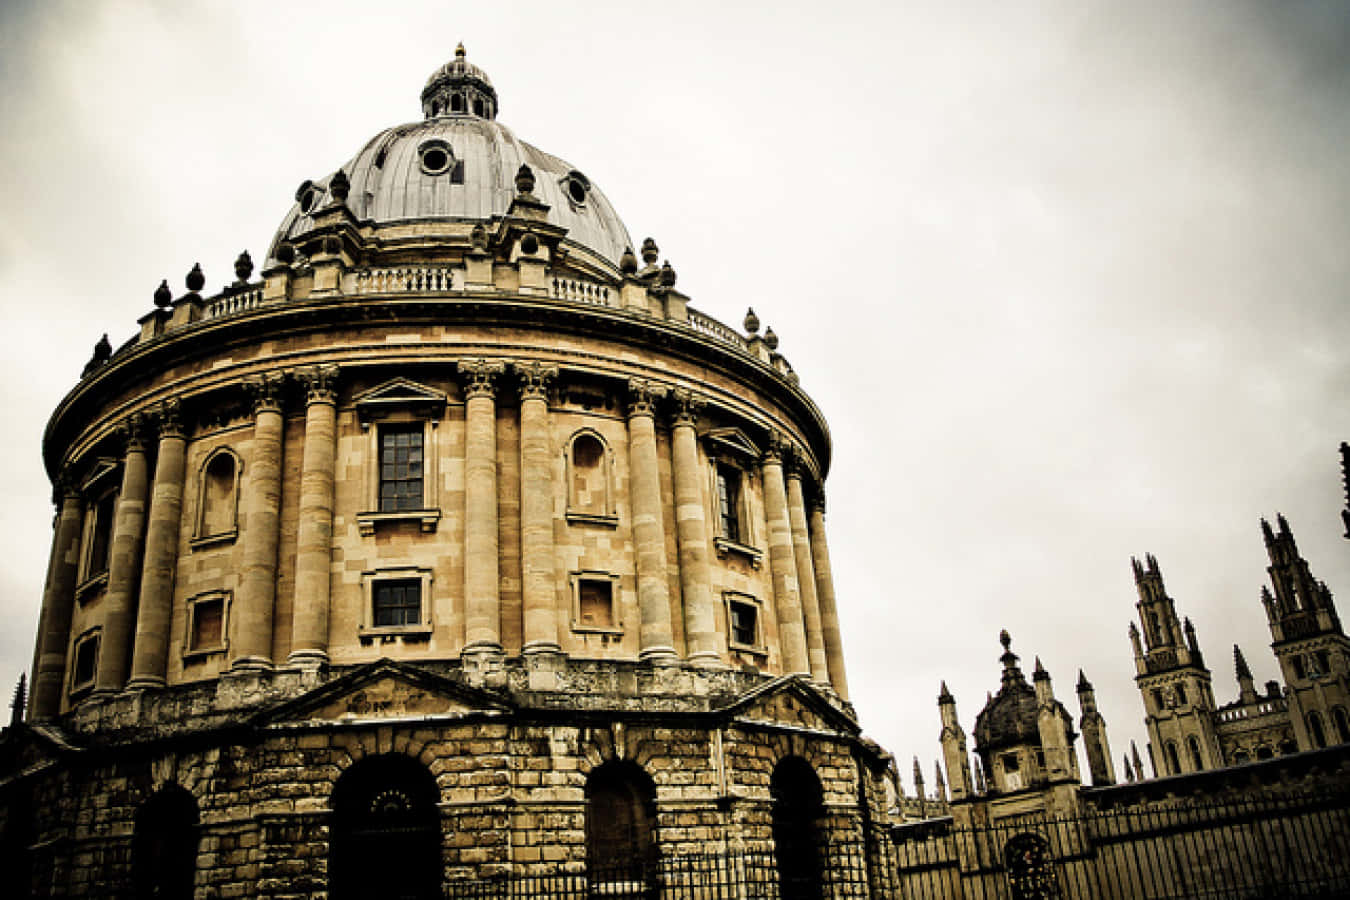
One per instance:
(89, 399)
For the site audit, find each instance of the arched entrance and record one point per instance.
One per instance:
(164, 849)
(386, 837)
(621, 841)
(1031, 872)
(798, 805)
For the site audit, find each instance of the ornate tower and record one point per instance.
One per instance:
(954, 747)
(1308, 641)
(1178, 697)
(1093, 726)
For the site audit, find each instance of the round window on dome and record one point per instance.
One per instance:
(307, 196)
(435, 157)
(577, 187)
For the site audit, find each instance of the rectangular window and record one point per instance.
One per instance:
(729, 502)
(595, 603)
(397, 603)
(208, 624)
(744, 623)
(1181, 695)
(86, 662)
(1300, 671)
(101, 535)
(400, 468)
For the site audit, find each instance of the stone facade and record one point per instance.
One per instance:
(461, 524)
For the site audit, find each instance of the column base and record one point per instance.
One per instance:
(147, 683)
(659, 656)
(707, 659)
(541, 648)
(307, 659)
(245, 665)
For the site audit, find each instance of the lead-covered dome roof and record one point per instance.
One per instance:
(459, 165)
(1012, 715)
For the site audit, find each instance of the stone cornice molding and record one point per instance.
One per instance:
(480, 376)
(320, 383)
(535, 379)
(265, 391)
(685, 407)
(643, 396)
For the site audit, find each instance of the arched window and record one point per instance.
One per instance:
(1197, 762)
(1173, 760)
(164, 849)
(1263, 751)
(1240, 757)
(456, 103)
(386, 839)
(1316, 730)
(1342, 723)
(477, 106)
(588, 494)
(798, 805)
(218, 498)
(621, 843)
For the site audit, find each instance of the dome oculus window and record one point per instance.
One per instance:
(307, 195)
(435, 157)
(577, 187)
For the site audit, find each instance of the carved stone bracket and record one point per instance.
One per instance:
(643, 396)
(535, 378)
(685, 407)
(320, 383)
(266, 391)
(480, 376)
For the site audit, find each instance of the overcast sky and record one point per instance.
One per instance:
(1068, 279)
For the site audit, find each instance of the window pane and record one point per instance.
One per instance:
(397, 603)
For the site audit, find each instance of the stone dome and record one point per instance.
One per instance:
(1010, 716)
(457, 168)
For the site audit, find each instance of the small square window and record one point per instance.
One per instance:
(397, 603)
(86, 662)
(595, 598)
(207, 623)
(400, 468)
(744, 623)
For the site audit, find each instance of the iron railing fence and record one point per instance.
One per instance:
(1255, 847)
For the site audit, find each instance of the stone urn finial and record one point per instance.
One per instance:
(163, 296)
(285, 253)
(478, 238)
(628, 262)
(243, 267)
(195, 279)
(770, 339)
(340, 186)
(751, 321)
(649, 251)
(667, 275)
(529, 244)
(524, 180)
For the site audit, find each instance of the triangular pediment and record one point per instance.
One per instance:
(26, 748)
(398, 393)
(386, 690)
(732, 440)
(791, 700)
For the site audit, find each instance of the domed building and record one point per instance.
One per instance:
(456, 545)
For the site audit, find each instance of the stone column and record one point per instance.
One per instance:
(149, 661)
(124, 561)
(482, 598)
(251, 617)
(783, 563)
(314, 532)
(58, 602)
(829, 612)
(806, 577)
(706, 646)
(538, 576)
(656, 641)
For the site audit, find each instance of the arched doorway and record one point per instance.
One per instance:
(798, 805)
(1031, 872)
(386, 837)
(621, 843)
(164, 848)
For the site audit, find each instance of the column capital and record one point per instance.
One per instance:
(816, 503)
(535, 378)
(265, 392)
(133, 432)
(685, 407)
(777, 448)
(642, 397)
(65, 486)
(320, 383)
(169, 418)
(480, 376)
